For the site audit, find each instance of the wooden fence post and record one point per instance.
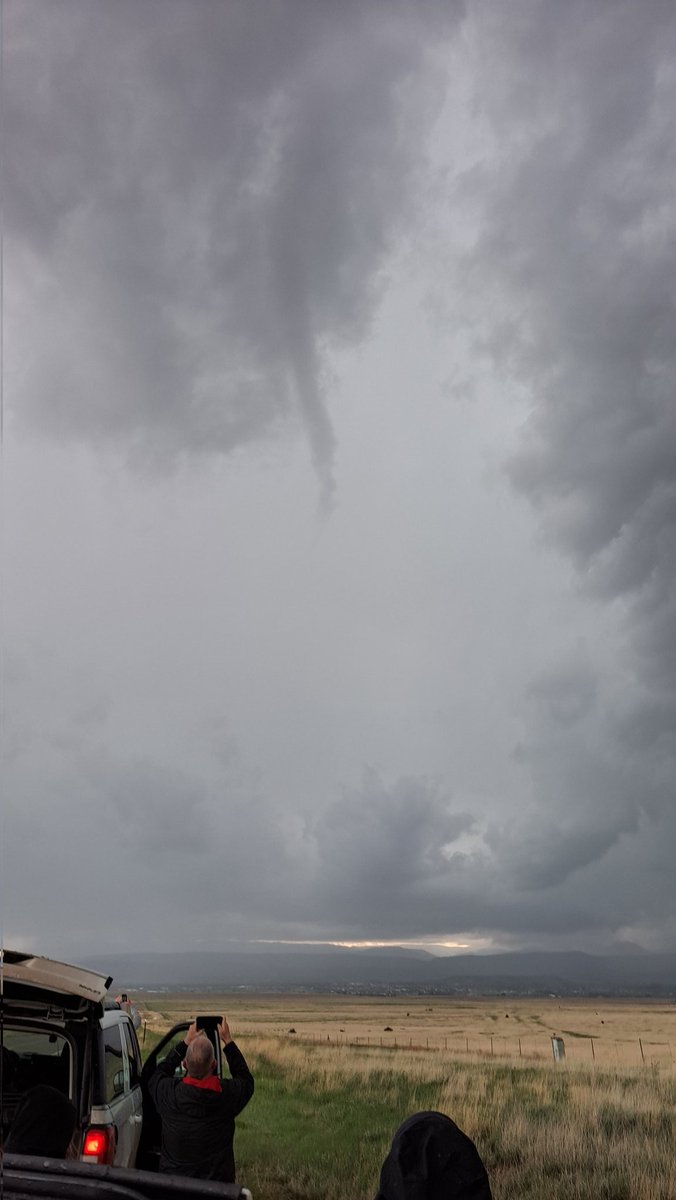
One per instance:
(641, 1049)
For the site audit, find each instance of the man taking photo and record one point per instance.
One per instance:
(198, 1111)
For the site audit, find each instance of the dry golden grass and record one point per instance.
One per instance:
(610, 1033)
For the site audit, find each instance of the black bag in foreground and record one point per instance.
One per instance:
(431, 1159)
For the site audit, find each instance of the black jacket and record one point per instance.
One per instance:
(198, 1125)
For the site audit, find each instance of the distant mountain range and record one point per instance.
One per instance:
(393, 970)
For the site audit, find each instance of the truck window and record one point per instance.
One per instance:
(113, 1084)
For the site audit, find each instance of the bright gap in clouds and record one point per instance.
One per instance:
(472, 945)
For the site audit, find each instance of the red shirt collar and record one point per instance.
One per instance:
(212, 1083)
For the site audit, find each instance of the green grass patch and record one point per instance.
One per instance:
(306, 1139)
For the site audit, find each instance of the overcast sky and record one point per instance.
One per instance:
(339, 473)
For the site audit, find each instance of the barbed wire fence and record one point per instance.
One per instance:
(579, 1048)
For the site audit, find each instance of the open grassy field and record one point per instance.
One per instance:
(329, 1096)
(612, 1033)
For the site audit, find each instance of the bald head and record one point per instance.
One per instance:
(199, 1058)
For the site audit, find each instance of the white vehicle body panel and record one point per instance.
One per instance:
(53, 976)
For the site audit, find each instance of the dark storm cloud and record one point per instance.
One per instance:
(211, 192)
(381, 840)
(575, 255)
(201, 202)
(580, 231)
(401, 858)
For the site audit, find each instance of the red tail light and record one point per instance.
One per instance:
(99, 1145)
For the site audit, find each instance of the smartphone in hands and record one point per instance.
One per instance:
(207, 1023)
